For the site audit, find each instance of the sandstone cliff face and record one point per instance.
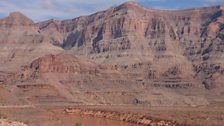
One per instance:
(66, 64)
(135, 34)
(131, 26)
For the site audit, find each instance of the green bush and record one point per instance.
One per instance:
(78, 124)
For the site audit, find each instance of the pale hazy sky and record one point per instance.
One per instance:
(39, 10)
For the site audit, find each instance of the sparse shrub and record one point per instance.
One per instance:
(78, 124)
(2, 116)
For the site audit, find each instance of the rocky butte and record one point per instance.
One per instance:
(121, 56)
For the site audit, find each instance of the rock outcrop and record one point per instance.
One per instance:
(129, 117)
(17, 26)
(4, 122)
(21, 41)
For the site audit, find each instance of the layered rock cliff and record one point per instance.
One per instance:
(191, 33)
(64, 78)
(129, 34)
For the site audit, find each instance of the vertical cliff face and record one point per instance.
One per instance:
(129, 26)
(131, 34)
(98, 30)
